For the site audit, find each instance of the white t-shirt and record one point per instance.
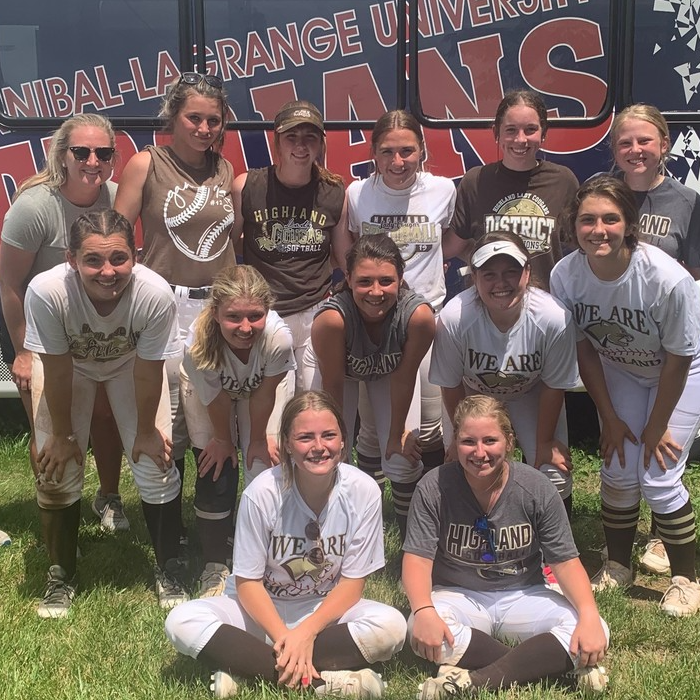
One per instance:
(61, 318)
(415, 218)
(271, 355)
(651, 309)
(541, 346)
(271, 543)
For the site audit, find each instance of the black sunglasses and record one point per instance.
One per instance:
(313, 535)
(482, 527)
(196, 78)
(82, 153)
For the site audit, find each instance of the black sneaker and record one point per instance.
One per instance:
(169, 586)
(58, 596)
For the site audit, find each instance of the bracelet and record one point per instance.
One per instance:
(423, 608)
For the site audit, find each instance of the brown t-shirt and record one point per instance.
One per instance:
(187, 216)
(494, 198)
(287, 236)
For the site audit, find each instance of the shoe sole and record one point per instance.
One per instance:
(48, 614)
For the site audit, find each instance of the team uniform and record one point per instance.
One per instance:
(669, 218)
(272, 546)
(633, 322)
(61, 319)
(287, 238)
(372, 365)
(271, 355)
(415, 218)
(39, 222)
(512, 366)
(494, 198)
(504, 597)
(187, 217)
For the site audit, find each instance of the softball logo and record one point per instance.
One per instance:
(211, 204)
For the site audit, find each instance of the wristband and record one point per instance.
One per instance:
(423, 608)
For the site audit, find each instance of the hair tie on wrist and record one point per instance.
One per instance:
(423, 608)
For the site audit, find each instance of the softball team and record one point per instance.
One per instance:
(237, 354)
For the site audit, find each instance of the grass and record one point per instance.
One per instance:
(112, 645)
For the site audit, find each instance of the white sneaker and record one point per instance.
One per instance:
(451, 680)
(364, 683)
(612, 575)
(110, 510)
(655, 560)
(58, 595)
(170, 588)
(591, 679)
(5, 539)
(223, 685)
(213, 580)
(682, 597)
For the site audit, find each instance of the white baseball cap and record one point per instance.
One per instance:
(490, 250)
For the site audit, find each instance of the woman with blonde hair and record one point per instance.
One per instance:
(236, 355)
(308, 534)
(75, 180)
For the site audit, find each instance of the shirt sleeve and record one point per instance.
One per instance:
(678, 318)
(423, 527)
(160, 338)
(252, 541)
(24, 226)
(691, 252)
(446, 365)
(559, 367)
(206, 382)
(280, 357)
(45, 333)
(353, 195)
(461, 219)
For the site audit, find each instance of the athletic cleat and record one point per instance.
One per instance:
(364, 683)
(169, 587)
(655, 560)
(223, 685)
(591, 679)
(682, 597)
(5, 539)
(58, 596)
(612, 575)
(213, 580)
(451, 680)
(110, 510)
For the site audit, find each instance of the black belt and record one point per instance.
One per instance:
(195, 292)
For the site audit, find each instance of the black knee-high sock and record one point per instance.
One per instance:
(541, 656)
(335, 649)
(677, 530)
(180, 466)
(402, 494)
(433, 458)
(620, 527)
(163, 522)
(239, 653)
(60, 530)
(653, 526)
(568, 505)
(482, 651)
(213, 536)
(372, 466)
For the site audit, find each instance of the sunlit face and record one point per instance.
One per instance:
(198, 124)
(601, 230)
(398, 157)
(298, 148)
(639, 147)
(520, 137)
(481, 448)
(105, 265)
(501, 283)
(315, 442)
(93, 172)
(375, 288)
(241, 321)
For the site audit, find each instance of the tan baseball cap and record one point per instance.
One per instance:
(298, 112)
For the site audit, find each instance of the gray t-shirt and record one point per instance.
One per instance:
(39, 222)
(527, 522)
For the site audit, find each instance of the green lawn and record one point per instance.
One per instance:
(112, 645)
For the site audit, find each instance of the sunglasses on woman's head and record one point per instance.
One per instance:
(196, 78)
(82, 153)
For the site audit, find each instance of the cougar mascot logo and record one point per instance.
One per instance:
(607, 333)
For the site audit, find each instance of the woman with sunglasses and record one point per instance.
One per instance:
(308, 534)
(75, 180)
(182, 193)
(292, 219)
(102, 320)
(477, 531)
